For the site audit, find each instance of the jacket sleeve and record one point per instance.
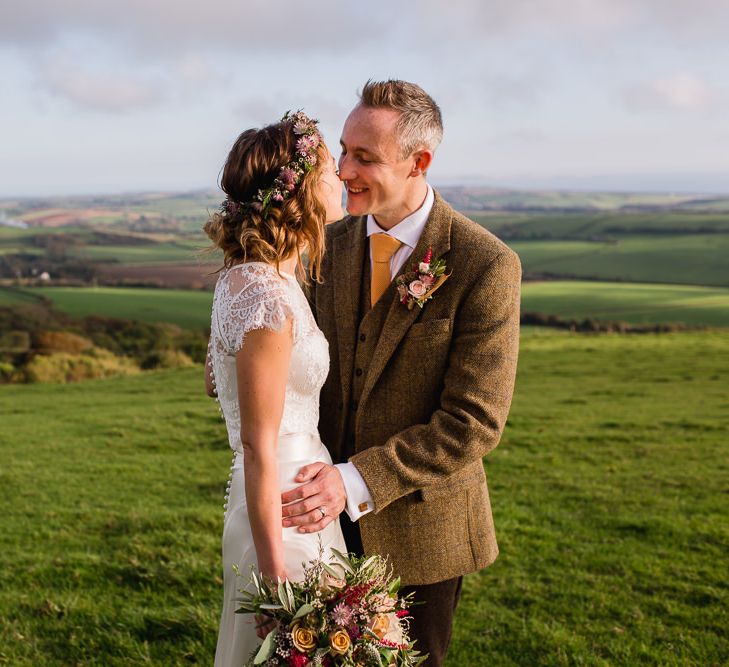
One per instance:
(477, 389)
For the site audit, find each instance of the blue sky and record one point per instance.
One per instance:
(106, 97)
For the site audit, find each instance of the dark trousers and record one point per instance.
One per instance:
(432, 622)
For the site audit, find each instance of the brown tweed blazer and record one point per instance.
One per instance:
(435, 398)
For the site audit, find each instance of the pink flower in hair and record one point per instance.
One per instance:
(304, 145)
(288, 178)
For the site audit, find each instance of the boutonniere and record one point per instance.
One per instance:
(417, 286)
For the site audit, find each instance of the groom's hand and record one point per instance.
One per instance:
(321, 487)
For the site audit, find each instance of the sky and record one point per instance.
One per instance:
(102, 96)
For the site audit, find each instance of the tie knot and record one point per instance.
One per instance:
(383, 247)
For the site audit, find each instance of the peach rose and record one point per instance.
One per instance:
(379, 625)
(417, 288)
(303, 638)
(388, 627)
(339, 641)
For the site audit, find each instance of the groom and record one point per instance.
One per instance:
(415, 396)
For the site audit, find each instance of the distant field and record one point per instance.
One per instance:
(178, 252)
(695, 259)
(187, 308)
(608, 491)
(634, 303)
(581, 224)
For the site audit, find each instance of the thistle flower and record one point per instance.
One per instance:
(342, 614)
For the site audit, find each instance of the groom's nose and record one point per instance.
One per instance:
(345, 170)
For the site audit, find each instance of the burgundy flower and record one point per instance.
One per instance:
(297, 659)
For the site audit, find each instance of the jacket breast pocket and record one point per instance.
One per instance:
(429, 328)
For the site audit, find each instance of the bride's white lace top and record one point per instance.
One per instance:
(252, 296)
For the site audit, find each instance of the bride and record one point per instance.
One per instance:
(267, 359)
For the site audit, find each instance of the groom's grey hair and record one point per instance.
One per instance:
(420, 124)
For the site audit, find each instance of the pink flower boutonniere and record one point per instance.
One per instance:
(417, 286)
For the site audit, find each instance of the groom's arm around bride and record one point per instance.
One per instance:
(415, 397)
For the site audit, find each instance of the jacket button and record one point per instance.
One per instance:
(354, 406)
(340, 406)
(362, 338)
(358, 372)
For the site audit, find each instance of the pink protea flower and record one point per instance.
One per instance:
(427, 280)
(428, 256)
(305, 144)
(342, 614)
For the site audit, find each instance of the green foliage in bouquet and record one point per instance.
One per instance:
(347, 613)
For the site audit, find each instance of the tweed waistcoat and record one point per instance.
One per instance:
(370, 321)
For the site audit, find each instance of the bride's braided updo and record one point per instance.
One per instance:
(247, 231)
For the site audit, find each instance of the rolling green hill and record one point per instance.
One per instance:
(633, 303)
(608, 493)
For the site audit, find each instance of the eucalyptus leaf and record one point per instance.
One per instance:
(344, 560)
(332, 572)
(282, 595)
(303, 611)
(267, 648)
(289, 595)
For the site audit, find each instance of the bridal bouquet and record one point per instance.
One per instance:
(347, 612)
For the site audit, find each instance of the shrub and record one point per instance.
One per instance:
(64, 367)
(166, 359)
(48, 342)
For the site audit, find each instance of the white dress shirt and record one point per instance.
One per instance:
(407, 231)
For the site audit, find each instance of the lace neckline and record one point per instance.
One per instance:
(289, 276)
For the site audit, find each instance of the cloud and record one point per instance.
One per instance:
(335, 27)
(681, 91)
(168, 26)
(99, 90)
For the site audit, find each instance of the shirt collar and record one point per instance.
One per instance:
(409, 229)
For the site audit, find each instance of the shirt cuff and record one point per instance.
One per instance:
(359, 498)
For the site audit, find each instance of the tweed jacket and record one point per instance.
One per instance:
(436, 393)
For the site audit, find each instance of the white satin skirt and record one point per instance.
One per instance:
(237, 637)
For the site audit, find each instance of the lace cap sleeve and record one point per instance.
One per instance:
(253, 297)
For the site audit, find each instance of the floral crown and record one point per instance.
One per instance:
(291, 173)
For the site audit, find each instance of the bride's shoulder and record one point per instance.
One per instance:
(246, 276)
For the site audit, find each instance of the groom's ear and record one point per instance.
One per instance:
(421, 162)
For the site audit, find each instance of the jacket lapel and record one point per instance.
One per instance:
(437, 236)
(349, 249)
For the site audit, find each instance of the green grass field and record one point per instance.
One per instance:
(189, 309)
(626, 302)
(177, 252)
(609, 495)
(694, 259)
(634, 303)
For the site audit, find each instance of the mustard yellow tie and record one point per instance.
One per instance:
(382, 248)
